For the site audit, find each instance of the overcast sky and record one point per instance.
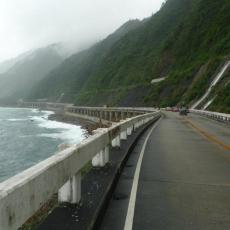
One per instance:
(29, 24)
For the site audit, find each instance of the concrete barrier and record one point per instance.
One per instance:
(213, 115)
(22, 195)
(97, 114)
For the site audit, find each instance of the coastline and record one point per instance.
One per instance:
(87, 125)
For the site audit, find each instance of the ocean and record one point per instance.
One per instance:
(28, 137)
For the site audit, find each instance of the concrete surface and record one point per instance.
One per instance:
(184, 180)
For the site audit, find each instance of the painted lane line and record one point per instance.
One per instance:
(208, 136)
(132, 200)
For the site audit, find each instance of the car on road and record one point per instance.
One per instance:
(183, 111)
(175, 109)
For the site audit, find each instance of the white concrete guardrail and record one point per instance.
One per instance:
(213, 115)
(101, 113)
(24, 194)
(109, 113)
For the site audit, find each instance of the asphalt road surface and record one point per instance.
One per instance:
(184, 178)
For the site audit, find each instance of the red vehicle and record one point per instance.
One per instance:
(175, 109)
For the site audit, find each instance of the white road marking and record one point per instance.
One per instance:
(132, 200)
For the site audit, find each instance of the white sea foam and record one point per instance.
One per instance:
(34, 110)
(16, 119)
(67, 132)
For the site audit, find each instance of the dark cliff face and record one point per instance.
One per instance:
(187, 41)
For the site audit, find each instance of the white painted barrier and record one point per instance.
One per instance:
(22, 195)
(213, 115)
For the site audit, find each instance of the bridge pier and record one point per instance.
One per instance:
(110, 116)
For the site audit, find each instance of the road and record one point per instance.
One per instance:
(184, 179)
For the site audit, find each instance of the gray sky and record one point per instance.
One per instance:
(29, 24)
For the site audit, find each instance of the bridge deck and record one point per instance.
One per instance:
(184, 179)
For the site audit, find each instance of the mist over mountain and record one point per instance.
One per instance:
(186, 42)
(26, 71)
(70, 77)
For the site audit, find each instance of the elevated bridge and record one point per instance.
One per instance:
(150, 170)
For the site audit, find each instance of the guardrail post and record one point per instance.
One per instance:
(116, 142)
(71, 191)
(124, 135)
(137, 125)
(106, 154)
(129, 130)
(102, 158)
(76, 188)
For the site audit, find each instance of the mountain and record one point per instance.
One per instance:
(70, 77)
(6, 65)
(26, 71)
(186, 42)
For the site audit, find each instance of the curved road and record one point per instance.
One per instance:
(184, 179)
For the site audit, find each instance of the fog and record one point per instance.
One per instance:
(29, 24)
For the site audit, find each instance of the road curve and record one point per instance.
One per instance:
(184, 181)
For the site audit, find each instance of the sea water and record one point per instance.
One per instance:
(27, 137)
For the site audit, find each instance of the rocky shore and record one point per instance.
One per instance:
(87, 125)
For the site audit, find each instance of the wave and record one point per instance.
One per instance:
(16, 119)
(69, 133)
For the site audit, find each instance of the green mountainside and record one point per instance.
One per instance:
(187, 42)
(70, 77)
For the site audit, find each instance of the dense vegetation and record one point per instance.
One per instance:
(187, 41)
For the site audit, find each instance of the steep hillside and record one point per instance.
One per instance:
(187, 42)
(6, 65)
(26, 72)
(71, 75)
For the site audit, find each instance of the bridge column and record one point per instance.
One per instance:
(71, 191)
(122, 116)
(116, 116)
(110, 115)
(106, 115)
(100, 116)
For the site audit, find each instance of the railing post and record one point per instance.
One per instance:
(124, 135)
(106, 154)
(71, 191)
(116, 142)
(129, 130)
(102, 158)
